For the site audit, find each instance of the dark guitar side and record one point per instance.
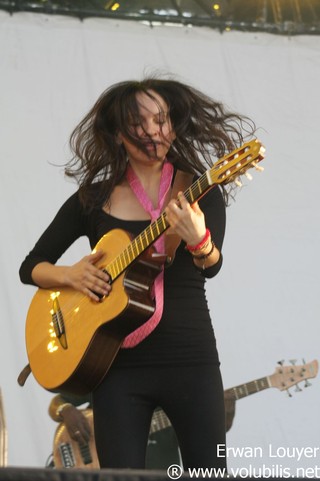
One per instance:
(93, 331)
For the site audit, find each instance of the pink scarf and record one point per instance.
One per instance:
(166, 178)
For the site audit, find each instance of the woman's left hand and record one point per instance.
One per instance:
(186, 220)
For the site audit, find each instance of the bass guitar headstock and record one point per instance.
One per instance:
(288, 376)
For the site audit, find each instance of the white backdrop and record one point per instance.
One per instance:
(265, 301)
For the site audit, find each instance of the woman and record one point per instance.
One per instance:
(127, 152)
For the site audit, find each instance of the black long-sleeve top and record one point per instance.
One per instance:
(185, 333)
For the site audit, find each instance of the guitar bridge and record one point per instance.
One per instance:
(58, 323)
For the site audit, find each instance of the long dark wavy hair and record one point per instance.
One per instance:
(205, 131)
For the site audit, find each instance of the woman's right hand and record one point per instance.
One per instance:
(85, 277)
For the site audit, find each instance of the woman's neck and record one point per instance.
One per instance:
(149, 175)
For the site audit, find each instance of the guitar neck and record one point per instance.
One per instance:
(225, 170)
(246, 389)
(149, 235)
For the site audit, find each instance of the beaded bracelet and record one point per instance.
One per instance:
(205, 256)
(201, 244)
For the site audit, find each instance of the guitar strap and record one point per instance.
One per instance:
(24, 374)
(165, 183)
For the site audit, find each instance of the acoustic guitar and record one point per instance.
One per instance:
(72, 341)
(67, 453)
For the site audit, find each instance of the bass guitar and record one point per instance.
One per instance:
(72, 341)
(283, 379)
(67, 453)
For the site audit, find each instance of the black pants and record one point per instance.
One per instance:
(191, 396)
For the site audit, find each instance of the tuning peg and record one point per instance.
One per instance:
(289, 393)
(293, 362)
(281, 362)
(307, 383)
(303, 369)
(298, 388)
(258, 167)
(238, 182)
(248, 175)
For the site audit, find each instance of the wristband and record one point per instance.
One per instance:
(201, 243)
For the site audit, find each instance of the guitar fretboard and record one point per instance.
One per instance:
(252, 387)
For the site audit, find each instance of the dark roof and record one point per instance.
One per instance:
(275, 16)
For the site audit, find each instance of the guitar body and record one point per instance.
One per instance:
(67, 453)
(72, 341)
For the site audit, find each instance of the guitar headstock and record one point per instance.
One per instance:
(288, 376)
(235, 164)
